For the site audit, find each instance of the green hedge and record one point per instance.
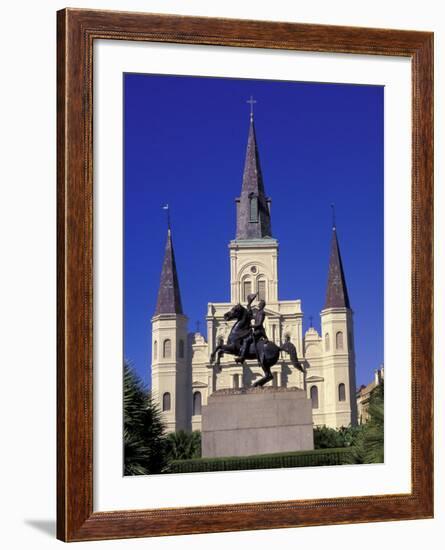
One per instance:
(317, 457)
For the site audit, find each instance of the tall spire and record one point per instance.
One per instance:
(169, 297)
(336, 293)
(253, 216)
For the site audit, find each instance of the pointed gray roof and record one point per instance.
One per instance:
(169, 297)
(256, 226)
(336, 293)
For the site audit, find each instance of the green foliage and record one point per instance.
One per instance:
(329, 438)
(369, 447)
(144, 448)
(320, 457)
(183, 445)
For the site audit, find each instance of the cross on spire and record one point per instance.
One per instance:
(333, 215)
(252, 102)
(167, 209)
(197, 326)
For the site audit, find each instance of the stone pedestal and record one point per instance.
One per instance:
(240, 422)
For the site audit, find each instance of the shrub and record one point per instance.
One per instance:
(183, 445)
(329, 438)
(320, 457)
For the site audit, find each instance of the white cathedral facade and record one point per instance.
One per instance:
(181, 373)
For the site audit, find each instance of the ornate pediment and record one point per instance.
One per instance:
(197, 384)
(315, 379)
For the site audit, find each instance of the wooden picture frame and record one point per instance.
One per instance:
(77, 31)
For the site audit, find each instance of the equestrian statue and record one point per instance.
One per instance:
(248, 341)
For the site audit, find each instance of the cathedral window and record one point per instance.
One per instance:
(247, 289)
(261, 290)
(341, 392)
(166, 402)
(197, 403)
(253, 208)
(339, 340)
(181, 349)
(167, 348)
(327, 345)
(314, 397)
(155, 350)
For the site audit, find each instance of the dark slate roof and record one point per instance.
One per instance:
(252, 186)
(336, 293)
(169, 297)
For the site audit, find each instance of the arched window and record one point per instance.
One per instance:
(339, 340)
(155, 350)
(181, 349)
(166, 402)
(314, 397)
(261, 290)
(341, 392)
(327, 344)
(197, 402)
(236, 381)
(247, 289)
(167, 348)
(253, 208)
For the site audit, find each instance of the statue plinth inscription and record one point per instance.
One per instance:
(241, 422)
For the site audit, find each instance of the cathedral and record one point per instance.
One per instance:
(182, 377)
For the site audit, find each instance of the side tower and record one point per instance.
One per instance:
(170, 378)
(337, 400)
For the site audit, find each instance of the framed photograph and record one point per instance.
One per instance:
(245, 293)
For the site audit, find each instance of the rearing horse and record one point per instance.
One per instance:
(267, 353)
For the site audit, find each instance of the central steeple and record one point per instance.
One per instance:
(253, 207)
(254, 252)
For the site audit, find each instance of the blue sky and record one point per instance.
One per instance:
(185, 142)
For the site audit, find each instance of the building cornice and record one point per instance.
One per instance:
(266, 242)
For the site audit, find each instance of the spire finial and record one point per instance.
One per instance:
(197, 326)
(167, 209)
(333, 216)
(310, 321)
(251, 101)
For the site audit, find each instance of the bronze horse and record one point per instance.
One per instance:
(264, 351)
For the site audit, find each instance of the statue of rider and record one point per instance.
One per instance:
(257, 332)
